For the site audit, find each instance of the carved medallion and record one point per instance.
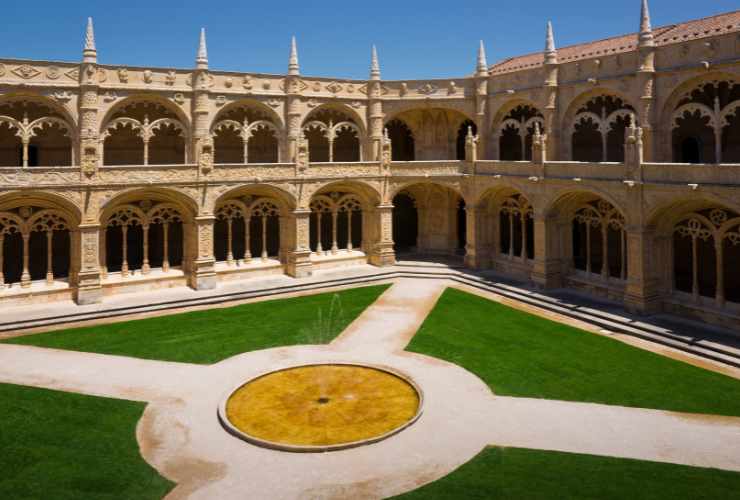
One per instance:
(25, 71)
(334, 88)
(53, 72)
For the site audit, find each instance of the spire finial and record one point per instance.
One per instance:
(90, 53)
(374, 65)
(551, 53)
(201, 60)
(646, 30)
(482, 66)
(293, 67)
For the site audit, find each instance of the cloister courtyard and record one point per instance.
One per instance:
(522, 283)
(519, 401)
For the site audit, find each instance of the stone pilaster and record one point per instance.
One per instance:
(646, 80)
(550, 112)
(202, 267)
(375, 119)
(375, 114)
(473, 237)
(482, 120)
(382, 252)
(85, 265)
(642, 294)
(298, 262)
(89, 148)
(547, 269)
(293, 104)
(202, 80)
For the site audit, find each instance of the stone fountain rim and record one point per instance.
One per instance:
(234, 431)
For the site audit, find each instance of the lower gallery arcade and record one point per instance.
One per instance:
(578, 240)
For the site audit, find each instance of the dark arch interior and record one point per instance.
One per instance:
(402, 141)
(405, 223)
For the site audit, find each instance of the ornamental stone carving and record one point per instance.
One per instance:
(26, 71)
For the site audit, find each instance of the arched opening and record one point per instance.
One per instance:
(516, 228)
(706, 256)
(35, 245)
(34, 134)
(247, 229)
(336, 223)
(462, 133)
(587, 141)
(693, 138)
(462, 223)
(599, 241)
(333, 136)
(708, 114)
(515, 133)
(144, 133)
(429, 220)
(691, 150)
(141, 236)
(11, 149)
(405, 223)
(402, 141)
(438, 134)
(598, 129)
(245, 134)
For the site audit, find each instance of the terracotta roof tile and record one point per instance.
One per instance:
(664, 35)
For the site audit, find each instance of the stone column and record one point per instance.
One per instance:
(473, 237)
(375, 120)
(547, 269)
(202, 268)
(381, 249)
(642, 294)
(85, 264)
(293, 118)
(298, 263)
(646, 81)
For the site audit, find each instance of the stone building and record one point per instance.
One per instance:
(612, 167)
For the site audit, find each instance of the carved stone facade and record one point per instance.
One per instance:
(610, 167)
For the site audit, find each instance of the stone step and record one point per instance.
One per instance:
(720, 352)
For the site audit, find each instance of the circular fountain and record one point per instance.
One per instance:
(323, 407)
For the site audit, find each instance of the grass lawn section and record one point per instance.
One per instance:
(514, 473)
(212, 335)
(72, 447)
(519, 354)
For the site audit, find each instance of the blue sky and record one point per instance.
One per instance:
(415, 39)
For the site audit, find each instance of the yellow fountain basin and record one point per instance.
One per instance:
(322, 407)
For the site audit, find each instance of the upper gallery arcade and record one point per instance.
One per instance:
(611, 166)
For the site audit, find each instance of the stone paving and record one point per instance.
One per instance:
(180, 435)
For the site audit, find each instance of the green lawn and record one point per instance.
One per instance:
(212, 335)
(72, 447)
(521, 474)
(519, 354)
